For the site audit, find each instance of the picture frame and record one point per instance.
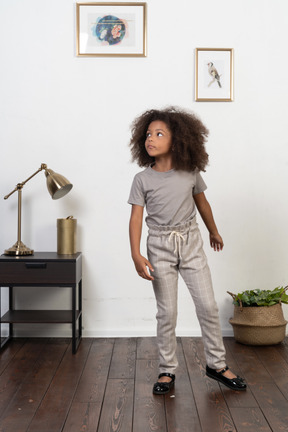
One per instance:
(214, 74)
(111, 29)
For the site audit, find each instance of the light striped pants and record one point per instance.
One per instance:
(174, 250)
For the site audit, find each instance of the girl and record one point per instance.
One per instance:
(170, 143)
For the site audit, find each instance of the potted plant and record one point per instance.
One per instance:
(258, 316)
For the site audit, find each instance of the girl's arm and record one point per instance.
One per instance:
(205, 211)
(135, 230)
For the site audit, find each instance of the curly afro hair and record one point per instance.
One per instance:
(189, 136)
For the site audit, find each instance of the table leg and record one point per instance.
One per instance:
(11, 307)
(3, 339)
(76, 339)
(74, 318)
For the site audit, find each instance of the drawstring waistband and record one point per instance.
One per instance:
(176, 232)
(177, 241)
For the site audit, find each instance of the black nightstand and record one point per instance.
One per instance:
(43, 269)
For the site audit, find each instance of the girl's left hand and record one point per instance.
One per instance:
(216, 242)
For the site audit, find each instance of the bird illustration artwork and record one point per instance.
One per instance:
(214, 74)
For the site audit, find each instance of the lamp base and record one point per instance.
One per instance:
(19, 249)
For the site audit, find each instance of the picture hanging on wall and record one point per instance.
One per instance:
(111, 29)
(214, 74)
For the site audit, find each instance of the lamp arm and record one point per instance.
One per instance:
(20, 185)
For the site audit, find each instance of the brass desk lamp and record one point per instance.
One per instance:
(57, 185)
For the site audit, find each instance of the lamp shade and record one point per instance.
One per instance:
(57, 185)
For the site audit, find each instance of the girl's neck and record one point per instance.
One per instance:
(163, 165)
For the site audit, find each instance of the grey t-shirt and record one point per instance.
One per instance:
(168, 196)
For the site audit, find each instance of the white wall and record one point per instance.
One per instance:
(74, 114)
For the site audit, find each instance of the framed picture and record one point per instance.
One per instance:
(111, 29)
(214, 74)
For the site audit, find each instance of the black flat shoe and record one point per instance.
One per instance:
(235, 383)
(161, 388)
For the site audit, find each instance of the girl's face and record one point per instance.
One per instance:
(158, 139)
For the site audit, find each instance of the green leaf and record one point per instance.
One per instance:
(259, 297)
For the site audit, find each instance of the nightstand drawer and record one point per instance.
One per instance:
(37, 272)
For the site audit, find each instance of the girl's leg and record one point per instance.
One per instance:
(165, 287)
(194, 269)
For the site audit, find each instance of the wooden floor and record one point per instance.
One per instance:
(106, 387)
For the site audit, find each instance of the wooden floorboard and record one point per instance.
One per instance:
(107, 387)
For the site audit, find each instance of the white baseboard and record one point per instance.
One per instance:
(59, 331)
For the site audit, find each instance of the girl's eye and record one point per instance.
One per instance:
(159, 134)
(148, 134)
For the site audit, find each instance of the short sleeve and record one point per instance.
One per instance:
(200, 185)
(136, 193)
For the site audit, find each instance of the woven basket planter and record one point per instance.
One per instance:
(264, 325)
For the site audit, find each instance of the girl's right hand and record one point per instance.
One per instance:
(141, 264)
